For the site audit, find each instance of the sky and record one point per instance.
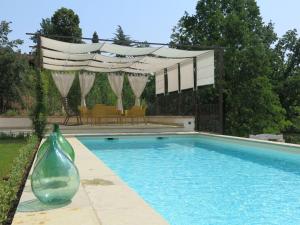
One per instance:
(141, 20)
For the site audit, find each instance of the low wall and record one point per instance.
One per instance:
(15, 122)
(187, 122)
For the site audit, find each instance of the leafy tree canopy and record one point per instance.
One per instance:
(12, 69)
(4, 41)
(237, 25)
(64, 22)
(95, 38)
(286, 76)
(121, 38)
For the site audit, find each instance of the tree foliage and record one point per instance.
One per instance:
(121, 38)
(39, 114)
(64, 22)
(237, 26)
(95, 38)
(13, 67)
(286, 76)
(127, 95)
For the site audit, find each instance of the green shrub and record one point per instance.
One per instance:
(11, 112)
(293, 138)
(9, 189)
(39, 115)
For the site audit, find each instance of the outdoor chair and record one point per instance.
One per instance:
(136, 113)
(70, 113)
(85, 113)
(101, 111)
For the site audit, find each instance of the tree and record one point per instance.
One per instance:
(121, 38)
(238, 26)
(286, 76)
(64, 22)
(95, 38)
(12, 69)
(4, 32)
(39, 115)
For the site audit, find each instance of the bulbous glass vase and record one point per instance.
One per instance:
(55, 179)
(62, 142)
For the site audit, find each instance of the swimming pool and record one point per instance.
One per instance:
(193, 180)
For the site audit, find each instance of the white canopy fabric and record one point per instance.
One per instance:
(137, 84)
(116, 84)
(63, 82)
(173, 78)
(58, 54)
(160, 82)
(205, 69)
(86, 81)
(187, 75)
(63, 56)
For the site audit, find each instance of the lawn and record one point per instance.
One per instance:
(8, 151)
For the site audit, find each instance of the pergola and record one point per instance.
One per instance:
(174, 69)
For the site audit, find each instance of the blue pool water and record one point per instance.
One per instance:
(202, 180)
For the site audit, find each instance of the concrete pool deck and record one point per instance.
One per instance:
(102, 199)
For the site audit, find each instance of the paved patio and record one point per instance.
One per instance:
(103, 199)
(155, 124)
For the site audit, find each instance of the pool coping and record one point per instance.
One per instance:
(284, 144)
(102, 199)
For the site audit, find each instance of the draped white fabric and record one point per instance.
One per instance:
(160, 82)
(69, 47)
(137, 84)
(205, 69)
(187, 75)
(86, 81)
(173, 78)
(116, 49)
(177, 53)
(116, 83)
(58, 55)
(87, 56)
(76, 68)
(126, 50)
(71, 57)
(63, 82)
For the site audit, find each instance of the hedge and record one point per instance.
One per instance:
(11, 189)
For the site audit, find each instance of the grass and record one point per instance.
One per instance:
(16, 157)
(8, 152)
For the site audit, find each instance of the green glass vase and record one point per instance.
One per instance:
(55, 179)
(65, 146)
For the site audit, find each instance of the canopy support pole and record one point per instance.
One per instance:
(221, 73)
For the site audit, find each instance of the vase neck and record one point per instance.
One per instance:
(56, 128)
(53, 142)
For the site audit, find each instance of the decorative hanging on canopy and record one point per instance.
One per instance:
(138, 84)
(86, 81)
(63, 82)
(116, 84)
